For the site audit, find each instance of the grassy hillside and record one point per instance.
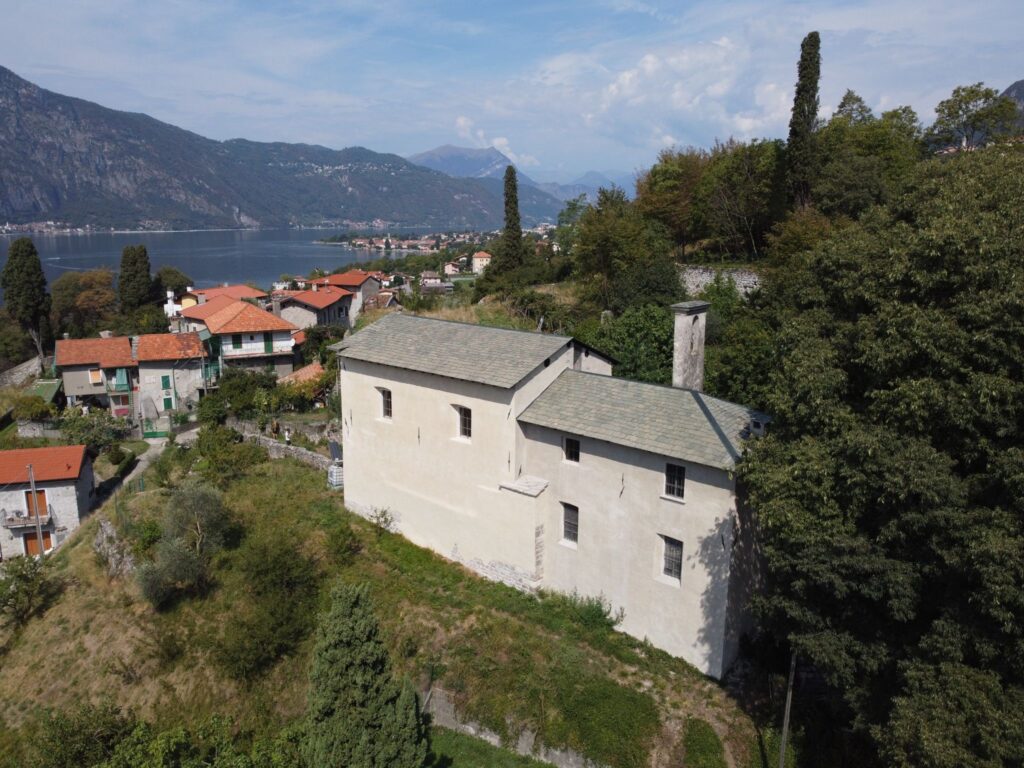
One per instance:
(511, 661)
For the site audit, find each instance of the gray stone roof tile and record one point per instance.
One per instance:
(498, 357)
(668, 421)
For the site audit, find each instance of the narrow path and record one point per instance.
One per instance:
(107, 488)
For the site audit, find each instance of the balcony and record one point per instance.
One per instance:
(21, 519)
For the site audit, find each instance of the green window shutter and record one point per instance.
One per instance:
(168, 404)
(165, 382)
(268, 342)
(236, 341)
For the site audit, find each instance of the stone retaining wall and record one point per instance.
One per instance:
(279, 450)
(439, 705)
(47, 429)
(697, 279)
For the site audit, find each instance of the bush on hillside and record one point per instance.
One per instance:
(97, 429)
(86, 736)
(226, 455)
(32, 408)
(212, 410)
(116, 455)
(27, 588)
(703, 748)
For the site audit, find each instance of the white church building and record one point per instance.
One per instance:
(520, 456)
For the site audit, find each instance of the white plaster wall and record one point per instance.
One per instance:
(186, 381)
(622, 514)
(69, 501)
(442, 489)
(252, 344)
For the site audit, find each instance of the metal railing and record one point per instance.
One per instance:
(22, 519)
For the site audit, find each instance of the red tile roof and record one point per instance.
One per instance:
(299, 337)
(482, 255)
(310, 372)
(169, 346)
(115, 352)
(243, 317)
(320, 299)
(351, 279)
(231, 291)
(203, 311)
(48, 464)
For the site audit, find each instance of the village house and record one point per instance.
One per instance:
(518, 454)
(173, 374)
(361, 283)
(429, 279)
(98, 372)
(239, 292)
(319, 305)
(241, 334)
(480, 261)
(452, 268)
(64, 491)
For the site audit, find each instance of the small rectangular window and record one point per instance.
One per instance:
(385, 403)
(465, 421)
(675, 479)
(570, 522)
(95, 376)
(236, 341)
(571, 448)
(673, 563)
(165, 382)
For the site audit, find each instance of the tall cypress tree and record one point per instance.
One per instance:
(510, 250)
(24, 286)
(135, 283)
(801, 149)
(359, 715)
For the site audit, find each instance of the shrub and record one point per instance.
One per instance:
(32, 408)
(212, 410)
(195, 515)
(282, 585)
(155, 587)
(97, 429)
(86, 736)
(588, 612)
(227, 457)
(116, 455)
(27, 587)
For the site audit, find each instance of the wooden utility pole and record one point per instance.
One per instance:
(785, 717)
(35, 508)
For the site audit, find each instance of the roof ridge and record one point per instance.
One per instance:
(401, 313)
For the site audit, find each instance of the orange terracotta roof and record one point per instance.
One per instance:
(351, 279)
(115, 352)
(231, 291)
(320, 299)
(169, 346)
(299, 337)
(482, 255)
(204, 310)
(310, 372)
(243, 317)
(57, 463)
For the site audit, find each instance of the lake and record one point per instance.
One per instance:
(208, 257)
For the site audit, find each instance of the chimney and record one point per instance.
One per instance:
(315, 287)
(275, 306)
(189, 288)
(170, 295)
(688, 344)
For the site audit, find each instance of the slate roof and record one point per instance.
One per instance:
(498, 357)
(668, 421)
(243, 317)
(115, 352)
(169, 346)
(48, 464)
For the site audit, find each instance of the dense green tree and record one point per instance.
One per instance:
(359, 715)
(666, 192)
(86, 736)
(24, 287)
(82, 302)
(640, 340)
(98, 430)
(801, 147)
(865, 159)
(508, 253)
(15, 345)
(134, 283)
(741, 195)
(972, 116)
(171, 279)
(889, 491)
(568, 223)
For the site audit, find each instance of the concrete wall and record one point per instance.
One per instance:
(619, 554)
(70, 502)
(299, 315)
(76, 380)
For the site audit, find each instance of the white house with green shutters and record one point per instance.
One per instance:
(172, 374)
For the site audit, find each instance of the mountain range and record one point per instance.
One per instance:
(73, 161)
(490, 163)
(1016, 92)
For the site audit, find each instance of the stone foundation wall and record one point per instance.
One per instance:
(279, 450)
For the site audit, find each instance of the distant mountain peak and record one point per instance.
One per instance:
(466, 162)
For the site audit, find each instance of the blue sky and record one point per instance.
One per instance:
(561, 87)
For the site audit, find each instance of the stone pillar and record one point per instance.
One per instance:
(688, 344)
